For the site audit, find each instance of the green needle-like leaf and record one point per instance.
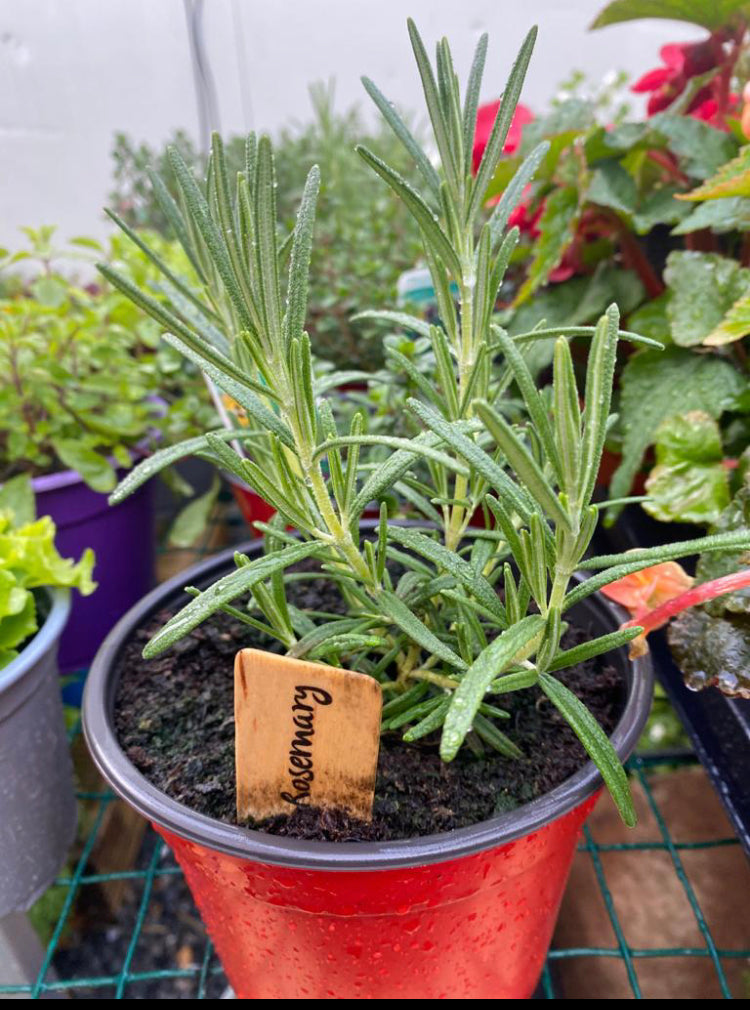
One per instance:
(476, 457)
(513, 192)
(241, 394)
(471, 102)
(538, 412)
(402, 319)
(172, 213)
(397, 611)
(404, 134)
(511, 646)
(224, 591)
(567, 417)
(299, 265)
(163, 458)
(596, 743)
(495, 737)
(409, 445)
(522, 462)
(618, 565)
(425, 218)
(501, 125)
(595, 647)
(448, 156)
(204, 223)
(461, 570)
(598, 397)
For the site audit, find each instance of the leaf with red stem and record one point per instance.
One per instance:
(692, 597)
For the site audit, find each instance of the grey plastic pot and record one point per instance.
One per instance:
(275, 906)
(37, 801)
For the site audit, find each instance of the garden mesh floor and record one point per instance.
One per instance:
(149, 942)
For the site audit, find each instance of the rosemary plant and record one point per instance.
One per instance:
(473, 613)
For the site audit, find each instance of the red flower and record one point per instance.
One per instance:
(486, 120)
(523, 218)
(681, 63)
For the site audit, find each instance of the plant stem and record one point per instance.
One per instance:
(439, 679)
(466, 361)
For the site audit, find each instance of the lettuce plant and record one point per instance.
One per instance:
(448, 618)
(28, 561)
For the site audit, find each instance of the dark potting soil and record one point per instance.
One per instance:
(174, 718)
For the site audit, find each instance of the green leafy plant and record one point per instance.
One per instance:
(468, 615)
(85, 381)
(28, 561)
(364, 240)
(660, 207)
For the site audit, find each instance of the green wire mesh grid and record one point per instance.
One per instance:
(201, 976)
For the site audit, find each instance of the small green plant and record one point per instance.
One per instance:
(84, 380)
(28, 561)
(469, 614)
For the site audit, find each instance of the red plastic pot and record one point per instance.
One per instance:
(476, 927)
(466, 914)
(252, 506)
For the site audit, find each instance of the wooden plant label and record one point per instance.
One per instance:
(304, 734)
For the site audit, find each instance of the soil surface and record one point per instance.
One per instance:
(174, 717)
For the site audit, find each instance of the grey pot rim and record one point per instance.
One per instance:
(42, 641)
(257, 846)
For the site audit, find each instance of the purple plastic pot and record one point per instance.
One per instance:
(123, 541)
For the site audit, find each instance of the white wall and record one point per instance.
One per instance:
(74, 71)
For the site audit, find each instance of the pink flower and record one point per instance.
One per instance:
(485, 121)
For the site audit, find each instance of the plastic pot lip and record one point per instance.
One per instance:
(56, 481)
(257, 846)
(43, 640)
(67, 478)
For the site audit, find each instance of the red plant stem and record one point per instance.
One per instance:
(703, 240)
(634, 257)
(666, 161)
(692, 597)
